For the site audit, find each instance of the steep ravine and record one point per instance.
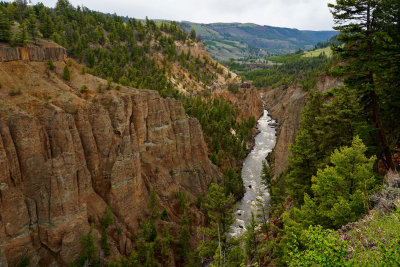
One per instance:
(286, 106)
(67, 153)
(251, 174)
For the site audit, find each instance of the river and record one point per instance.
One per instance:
(251, 174)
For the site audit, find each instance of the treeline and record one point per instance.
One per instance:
(287, 70)
(333, 41)
(114, 48)
(122, 50)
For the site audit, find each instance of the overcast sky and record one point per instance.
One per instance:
(300, 14)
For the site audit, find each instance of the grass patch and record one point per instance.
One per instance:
(315, 53)
(375, 239)
(14, 93)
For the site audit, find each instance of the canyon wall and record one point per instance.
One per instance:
(286, 105)
(69, 149)
(246, 100)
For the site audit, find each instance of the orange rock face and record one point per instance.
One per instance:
(65, 155)
(286, 106)
(246, 100)
(40, 52)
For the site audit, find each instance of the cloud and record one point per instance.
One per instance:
(301, 14)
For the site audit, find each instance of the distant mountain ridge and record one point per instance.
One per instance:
(245, 40)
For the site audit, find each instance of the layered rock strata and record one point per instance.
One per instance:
(67, 153)
(40, 52)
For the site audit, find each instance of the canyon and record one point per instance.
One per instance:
(286, 106)
(69, 149)
(67, 153)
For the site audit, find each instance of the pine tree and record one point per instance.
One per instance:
(220, 213)
(66, 74)
(46, 24)
(5, 27)
(108, 217)
(22, 4)
(31, 27)
(22, 35)
(356, 21)
(153, 205)
(306, 154)
(133, 260)
(88, 245)
(266, 176)
(323, 128)
(184, 239)
(166, 241)
(387, 67)
(104, 241)
(262, 214)
(250, 240)
(341, 190)
(192, 34)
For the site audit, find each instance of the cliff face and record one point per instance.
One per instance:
(66, 153)
(286, 106)
(41, 52)
(247, 101)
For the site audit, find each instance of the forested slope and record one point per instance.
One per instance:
(125, 164)
(244, 41)
(340, 165)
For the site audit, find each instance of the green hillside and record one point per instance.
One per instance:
(247, 40)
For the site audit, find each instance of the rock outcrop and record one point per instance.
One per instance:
(286, 106)
(66, 153)
(246, 100)
(40, 52)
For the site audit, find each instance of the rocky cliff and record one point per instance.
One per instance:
(247, 101)
(69, 149)
(43, 51)
(286, 106)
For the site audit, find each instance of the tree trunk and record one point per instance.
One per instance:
(219, 245)
(381, 134)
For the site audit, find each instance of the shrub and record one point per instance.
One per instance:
(88, 243)
(164, 214)
(104, 242)
(108, 217)
(109, 84)
(14, 93)
(25, 261)
(66, 74)
(50, 65)
(83, 89)
(321, 248)
(234, 88)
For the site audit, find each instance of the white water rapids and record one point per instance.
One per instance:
(251, 174)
